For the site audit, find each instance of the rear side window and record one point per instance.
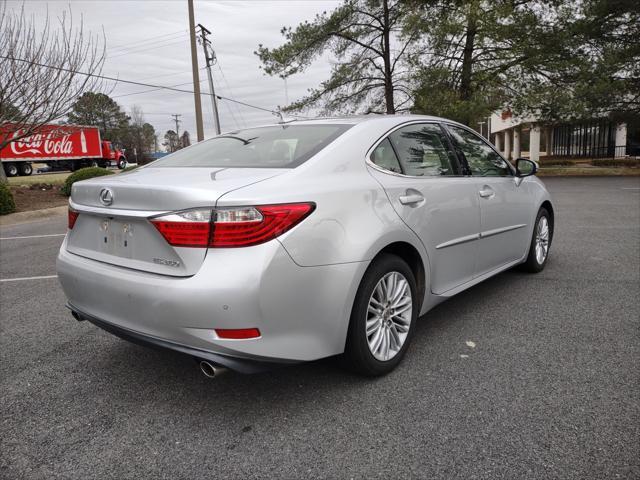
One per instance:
(282, 146)
(423, 150)
(385, 157)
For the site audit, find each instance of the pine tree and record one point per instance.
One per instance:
(364, 38)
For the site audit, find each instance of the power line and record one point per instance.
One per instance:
(164, 114)
(103, 77)
(150, 39)
(155, 47)
(165, 75)
(142, 84)
(246, 104)
(230, 91)
(138, 45)
(152, 90)
(161, 76)
(274, 112)
(231, 112)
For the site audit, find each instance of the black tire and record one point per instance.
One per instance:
(10, 169)
(26, 169)
(532, 264)
(122, 164)
(357, 355)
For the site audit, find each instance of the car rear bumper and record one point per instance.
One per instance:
(302, 312)
(242, 365)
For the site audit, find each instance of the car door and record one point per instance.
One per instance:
(504, 202)
(418, 169)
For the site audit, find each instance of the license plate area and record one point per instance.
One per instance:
(131, 242)
(115, 236)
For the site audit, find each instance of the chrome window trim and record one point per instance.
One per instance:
(389, 132)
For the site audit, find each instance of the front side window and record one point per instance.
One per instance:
(483, 161)
(282, 146)
(423, 150)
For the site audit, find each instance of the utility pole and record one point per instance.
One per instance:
(176, 116)
(175, 119)
(196, 77)
(210, 56)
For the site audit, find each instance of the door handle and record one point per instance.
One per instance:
(486, 192)
(410, 199)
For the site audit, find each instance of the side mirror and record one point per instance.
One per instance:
(525, 167)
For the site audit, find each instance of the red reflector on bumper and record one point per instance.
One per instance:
(237, 333)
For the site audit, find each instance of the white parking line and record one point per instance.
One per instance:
(21, 279)
(34, 236)
(630, 188)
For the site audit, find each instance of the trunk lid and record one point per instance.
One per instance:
(120, 233)
(167, 189)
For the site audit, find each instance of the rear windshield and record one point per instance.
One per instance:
(282, 146)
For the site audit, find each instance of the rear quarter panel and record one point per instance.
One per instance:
(353, 219)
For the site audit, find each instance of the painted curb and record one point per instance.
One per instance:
(32, 216)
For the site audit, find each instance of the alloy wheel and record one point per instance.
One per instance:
(389, 316)
(542, 240)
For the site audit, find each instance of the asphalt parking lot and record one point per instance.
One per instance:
(551, 388)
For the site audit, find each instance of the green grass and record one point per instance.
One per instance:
(587, 171)
(52, 178)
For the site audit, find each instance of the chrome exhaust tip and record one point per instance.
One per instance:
(210, 370)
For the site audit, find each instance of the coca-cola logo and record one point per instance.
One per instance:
(39, 143)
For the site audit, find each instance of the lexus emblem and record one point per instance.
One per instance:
(106, 196)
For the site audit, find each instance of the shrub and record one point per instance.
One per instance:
(617, 162)
(7, 205)
(556, 162)
(83, 174)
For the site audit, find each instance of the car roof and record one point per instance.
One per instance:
(358, 119)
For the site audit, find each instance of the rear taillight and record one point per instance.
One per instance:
(254, 225)
(190, 228)
(72, 217)
(230, 227)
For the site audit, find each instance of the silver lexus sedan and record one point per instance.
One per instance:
(302, 240)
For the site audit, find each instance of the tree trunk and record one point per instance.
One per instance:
(466, 90)
(3, 176)
(388, 80)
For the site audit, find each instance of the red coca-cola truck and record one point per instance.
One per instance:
(60, 147)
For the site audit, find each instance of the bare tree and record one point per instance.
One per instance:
(43, 71)
(137, 116)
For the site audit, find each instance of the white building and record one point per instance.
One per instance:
(526, 136)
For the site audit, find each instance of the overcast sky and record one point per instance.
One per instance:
(148, 41)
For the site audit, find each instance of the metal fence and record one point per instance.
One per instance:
(590, 139)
